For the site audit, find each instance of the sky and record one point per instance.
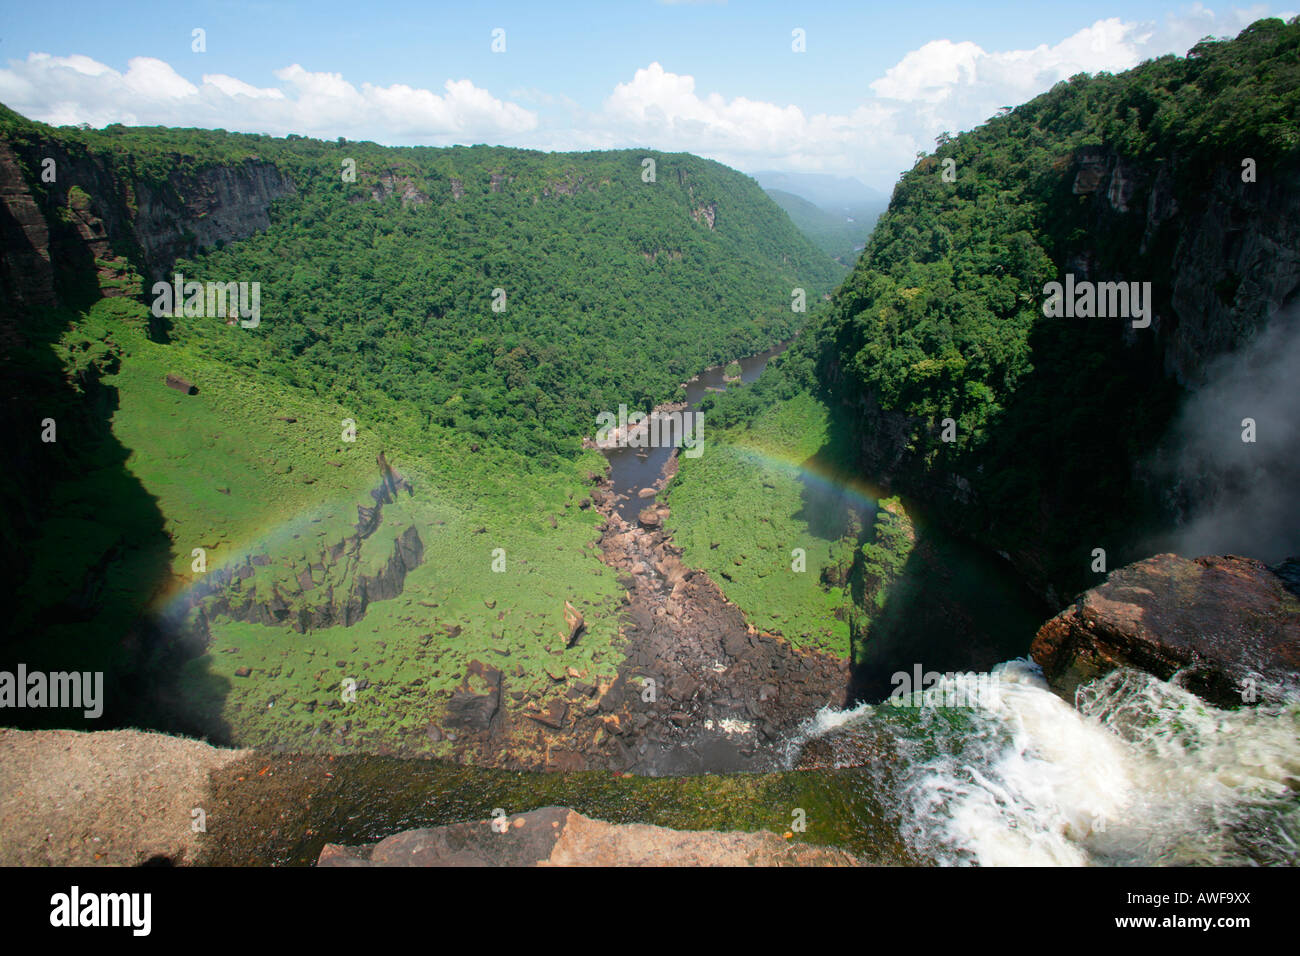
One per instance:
(873, 84)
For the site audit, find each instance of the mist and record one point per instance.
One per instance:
(1232, 496)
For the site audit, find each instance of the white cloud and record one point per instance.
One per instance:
(931, 72)
(77, 89)
(233, 87)
(661, 109)
(945, 85)
(148, 78)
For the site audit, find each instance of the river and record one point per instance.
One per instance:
(632, 469)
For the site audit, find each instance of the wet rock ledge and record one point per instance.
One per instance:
(1228, 626)
(558, 836)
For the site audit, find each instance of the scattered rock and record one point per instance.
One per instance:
(553, 716)
(181, 385)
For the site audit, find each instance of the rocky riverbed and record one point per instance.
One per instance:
(700, 690)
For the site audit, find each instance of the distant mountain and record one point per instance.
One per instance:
(838, 236)
(832, 193)
(836, 212)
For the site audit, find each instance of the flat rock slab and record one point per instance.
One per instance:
(1229, 623)
(102, 798)
(557, 836)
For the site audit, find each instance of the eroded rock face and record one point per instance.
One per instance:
(390, 184)
(191, 211)
(309, 598)
(25, 266)
(1229, 623)
(197, 211)
(556, 836)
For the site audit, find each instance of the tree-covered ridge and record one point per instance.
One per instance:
(942, 317)
(935, 319)
(834, 235)
(379, 291)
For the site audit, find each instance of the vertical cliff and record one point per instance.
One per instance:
(97, 205)
(1181, 179)
(77, 224)
(1223, 253)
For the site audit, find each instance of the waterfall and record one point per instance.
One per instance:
(1139, 772)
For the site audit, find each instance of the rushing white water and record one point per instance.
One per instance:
(1140, 772)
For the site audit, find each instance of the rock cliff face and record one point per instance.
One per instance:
(25, 239)
(194, 212)
(154, 222)
(1223, 260)
(1229, 626)
(391, 183)
(1230, 254)
(327, 592)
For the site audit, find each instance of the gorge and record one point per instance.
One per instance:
(366, 548)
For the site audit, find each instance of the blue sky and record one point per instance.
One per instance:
(876, 82)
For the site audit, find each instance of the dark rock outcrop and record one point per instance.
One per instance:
(1228, 625)
(327, 592)
(180, 384)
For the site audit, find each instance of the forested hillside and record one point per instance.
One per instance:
(438, 329)
(384, 289)
(1183, 172)
(835, 235)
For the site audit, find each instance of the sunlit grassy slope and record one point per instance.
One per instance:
(752, 498)
(233, 477)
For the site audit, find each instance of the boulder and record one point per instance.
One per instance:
(552, 716)
(466, 711)
(181, 385)
(1228, 623)
(573, 618)
(470, 711)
